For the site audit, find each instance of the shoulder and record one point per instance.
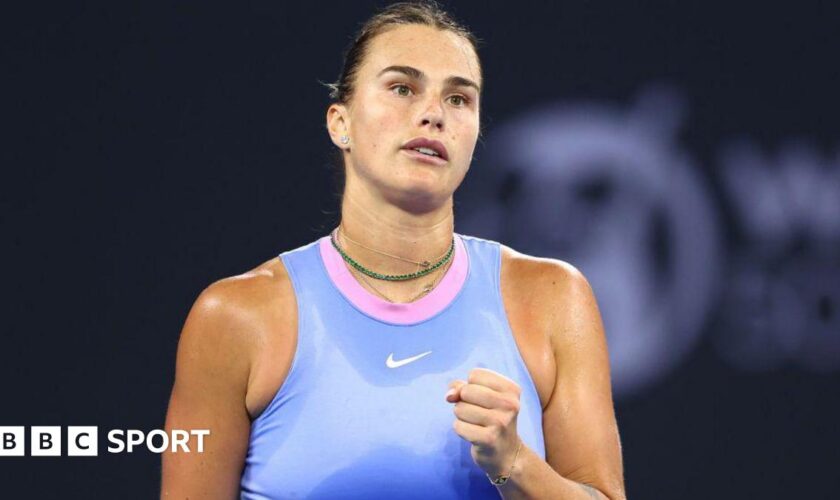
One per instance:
(554, 292)
(233, 315)
(535, 278)
(245, 296)
(554, 276)
(532, 270)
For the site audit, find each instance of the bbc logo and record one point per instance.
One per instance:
(82, 441)
(45, 441)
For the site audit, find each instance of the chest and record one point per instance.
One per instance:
(390, 418)
(279, 341)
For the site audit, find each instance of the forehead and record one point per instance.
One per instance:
(438, 53)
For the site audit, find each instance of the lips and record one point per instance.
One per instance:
(422, 142)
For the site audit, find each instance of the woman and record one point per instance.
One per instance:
(394, 358)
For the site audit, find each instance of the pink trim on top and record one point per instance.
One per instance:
(403, 314)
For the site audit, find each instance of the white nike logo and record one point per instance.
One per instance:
(390, 363)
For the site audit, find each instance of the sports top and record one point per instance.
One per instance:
(362, 412)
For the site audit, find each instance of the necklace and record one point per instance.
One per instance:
(391, 277)
(426, 289)
(425, 263)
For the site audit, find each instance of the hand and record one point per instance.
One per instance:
(486, 409)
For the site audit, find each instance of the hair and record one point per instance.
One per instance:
(426, 13)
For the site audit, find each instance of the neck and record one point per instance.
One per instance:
(388, 228)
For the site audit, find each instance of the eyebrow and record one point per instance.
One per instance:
(455, 81)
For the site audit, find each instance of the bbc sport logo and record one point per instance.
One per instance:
(83, 441)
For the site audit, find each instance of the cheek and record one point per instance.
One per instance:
(376, 124)
(466, 136)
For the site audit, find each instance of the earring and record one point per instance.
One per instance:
(344, 139)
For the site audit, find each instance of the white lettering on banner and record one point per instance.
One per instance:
(83, 441)
(45, 441)
(127, 440)
(11, 441)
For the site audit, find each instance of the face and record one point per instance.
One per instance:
(416, 88)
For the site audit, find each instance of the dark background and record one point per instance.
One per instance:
(153, 149)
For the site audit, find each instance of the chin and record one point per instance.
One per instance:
(418, 197)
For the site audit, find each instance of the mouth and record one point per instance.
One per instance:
(427, 150)
(424, 158)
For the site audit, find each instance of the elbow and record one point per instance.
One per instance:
(617, 494)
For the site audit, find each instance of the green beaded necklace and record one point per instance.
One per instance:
(392, 277)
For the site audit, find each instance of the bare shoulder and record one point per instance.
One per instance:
(544, 281)
(556, 293)
(542, 270)
(249, 298)
(246, 293)
(235, 317)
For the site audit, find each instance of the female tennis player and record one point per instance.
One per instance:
(393, 357)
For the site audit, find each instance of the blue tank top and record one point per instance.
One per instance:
(356, 417)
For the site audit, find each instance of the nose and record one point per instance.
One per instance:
(432, 114)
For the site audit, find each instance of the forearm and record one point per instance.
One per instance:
(533, 478)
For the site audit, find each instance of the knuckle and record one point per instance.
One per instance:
(509, 418)
(508, 404)
(459, 410)
(497, 423)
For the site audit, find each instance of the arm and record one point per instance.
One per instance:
(583, 450)
(211, 377)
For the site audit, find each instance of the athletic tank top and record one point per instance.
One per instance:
(362, 412)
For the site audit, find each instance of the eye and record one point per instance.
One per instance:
(458, 100)
(401, 90)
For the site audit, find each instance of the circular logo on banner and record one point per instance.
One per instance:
(608, 191)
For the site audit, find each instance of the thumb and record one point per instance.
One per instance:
(454, 393)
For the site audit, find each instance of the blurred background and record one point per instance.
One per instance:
(684, 155)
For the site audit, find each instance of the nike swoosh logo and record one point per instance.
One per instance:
(390, 363)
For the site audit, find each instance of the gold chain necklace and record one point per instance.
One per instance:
(425, 263)
(426, 289)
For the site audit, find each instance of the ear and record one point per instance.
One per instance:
(338, 124)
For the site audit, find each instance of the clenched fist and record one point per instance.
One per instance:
(486, 407)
